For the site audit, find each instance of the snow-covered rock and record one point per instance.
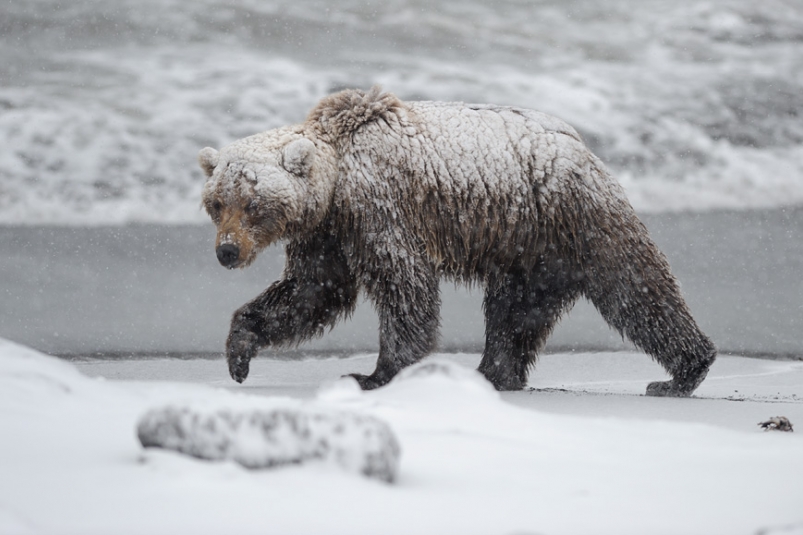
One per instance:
(270, 438)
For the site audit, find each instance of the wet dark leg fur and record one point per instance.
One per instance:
(409, 319)
(609, 258)
(315, 292)
(521, 309)
(629, 281)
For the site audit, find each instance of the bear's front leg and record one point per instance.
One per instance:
(317, 290)
(408, 304)
(287, 313)
(255, 325)
(521, 309)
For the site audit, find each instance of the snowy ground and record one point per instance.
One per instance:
(583, 452)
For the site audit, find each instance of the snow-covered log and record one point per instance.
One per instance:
(270, 438)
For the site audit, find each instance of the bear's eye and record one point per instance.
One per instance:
(216, 207)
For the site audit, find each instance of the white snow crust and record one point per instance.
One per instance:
(472, 463)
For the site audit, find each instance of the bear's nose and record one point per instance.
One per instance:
(227, 254)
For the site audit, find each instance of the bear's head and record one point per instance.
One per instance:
(260, 189)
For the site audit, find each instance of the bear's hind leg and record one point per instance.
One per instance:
(520, 313)
(631, 285)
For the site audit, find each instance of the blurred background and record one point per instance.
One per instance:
(697, 108)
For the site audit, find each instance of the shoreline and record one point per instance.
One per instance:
(145, 288)
(307, 355)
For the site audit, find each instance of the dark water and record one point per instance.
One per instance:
(694, 104)
(145, 289)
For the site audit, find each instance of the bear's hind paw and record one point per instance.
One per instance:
(684, 382)
(666, 389)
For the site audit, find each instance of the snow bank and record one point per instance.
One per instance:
(71, 463)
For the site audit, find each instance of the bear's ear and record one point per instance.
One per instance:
(298, 156)
(208, 158)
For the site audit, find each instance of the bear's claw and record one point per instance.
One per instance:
(238, 369)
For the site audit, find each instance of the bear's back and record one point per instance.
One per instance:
(474, 185)
(502, 149)
(476, 154)
(461, 178)
(465, 118)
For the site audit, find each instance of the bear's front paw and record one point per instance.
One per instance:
(238, 369)
(367, 382)
(241, 347)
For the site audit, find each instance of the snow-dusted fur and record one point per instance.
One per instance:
(384, 196)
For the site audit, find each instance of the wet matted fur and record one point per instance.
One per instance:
(387, 197)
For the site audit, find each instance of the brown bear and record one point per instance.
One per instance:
(371, 193)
